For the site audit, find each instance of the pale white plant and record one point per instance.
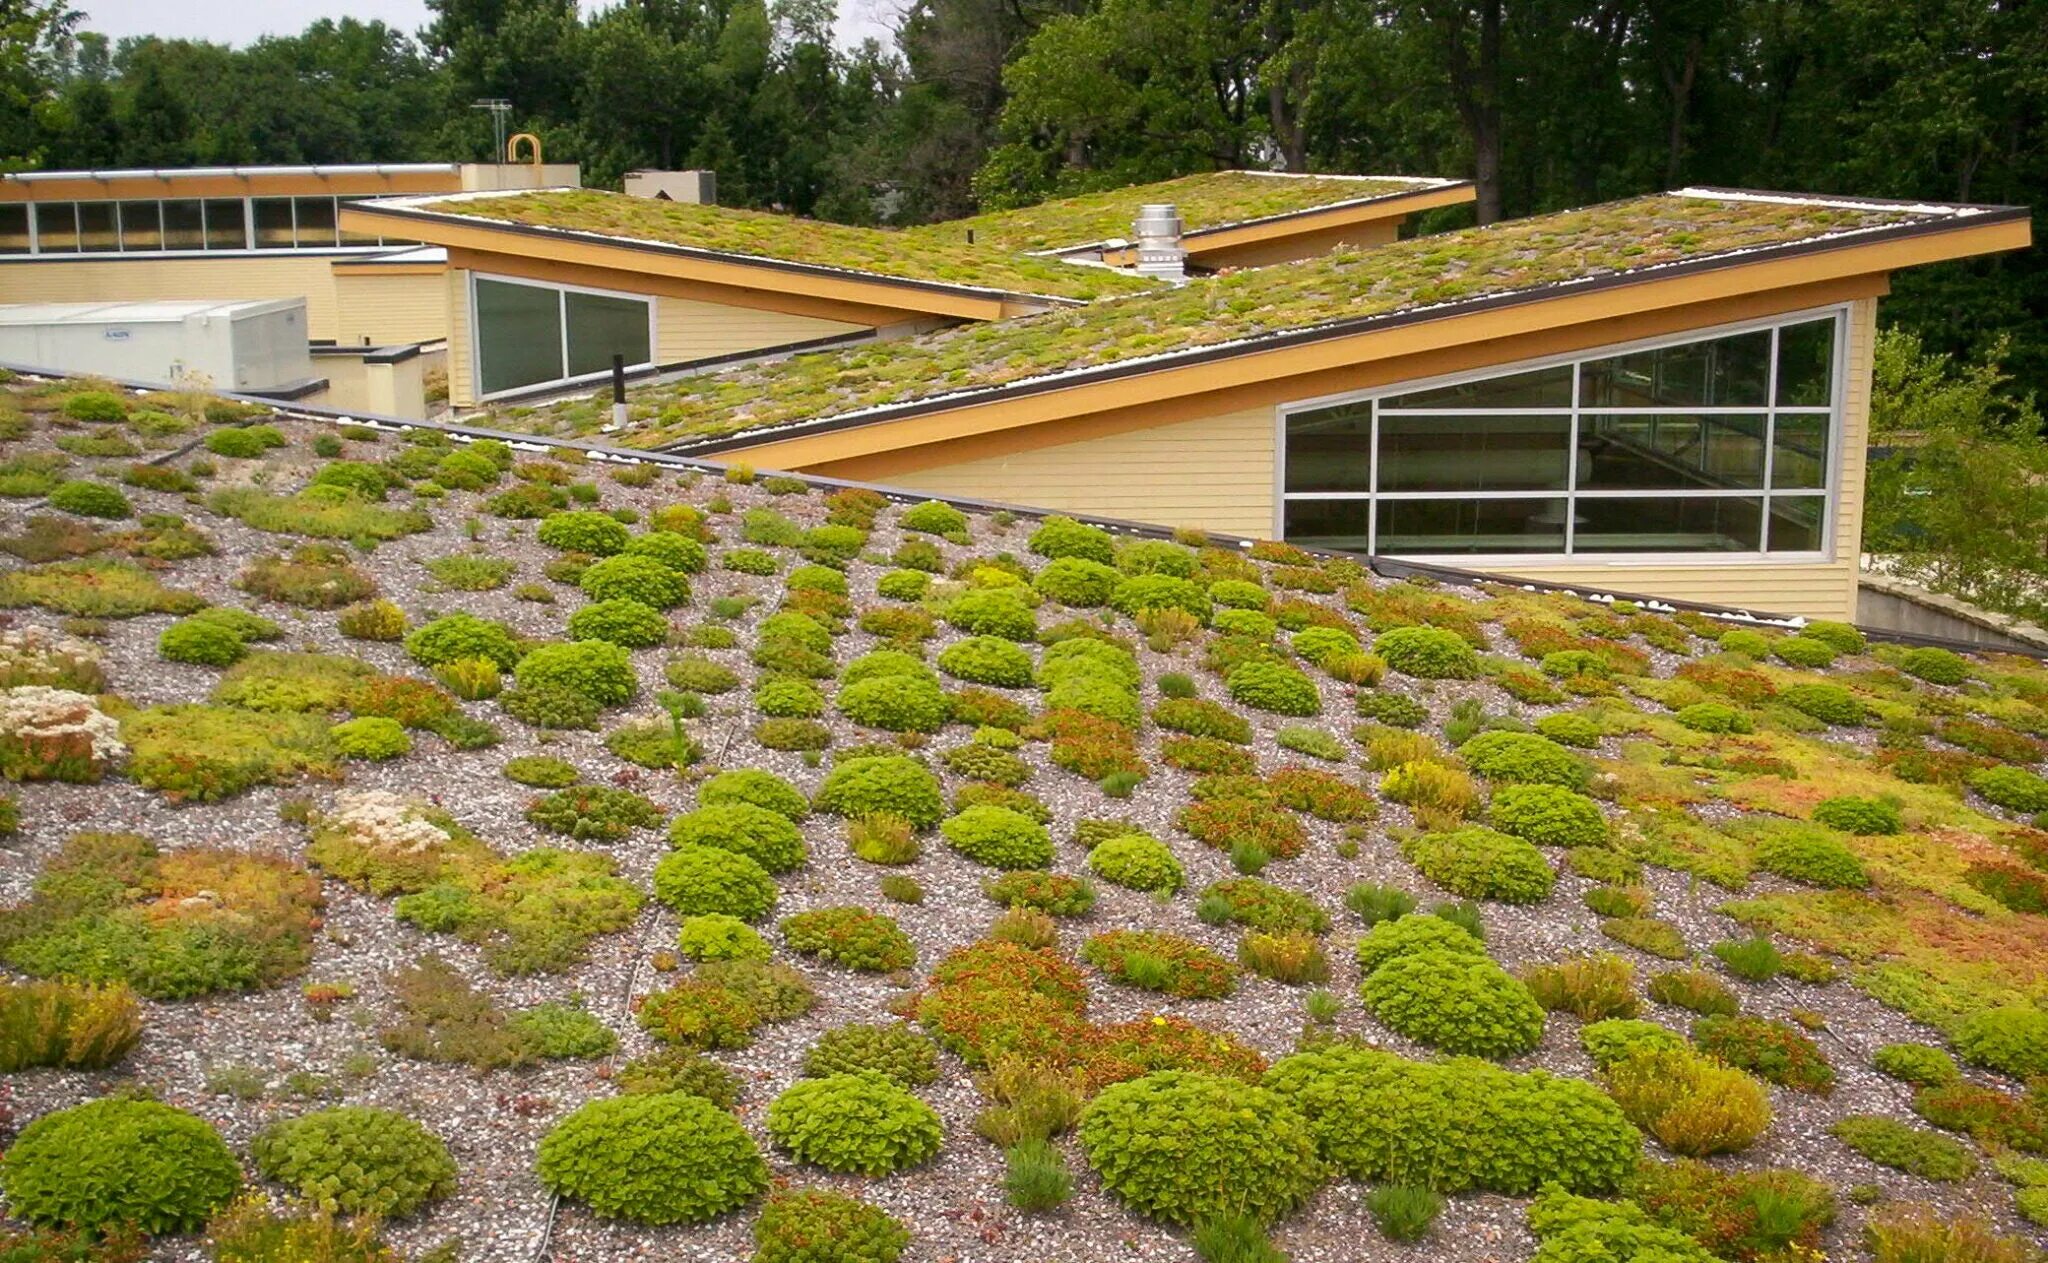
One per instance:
(36, 711)
(383, 821)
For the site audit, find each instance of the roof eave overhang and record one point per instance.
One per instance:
(713, 267)
(1712, 277)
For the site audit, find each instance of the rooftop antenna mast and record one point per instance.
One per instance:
(500, 108)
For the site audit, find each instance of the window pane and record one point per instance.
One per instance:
(1470, 526)
(1473, 453)
(14, 228)
(57, 226)
(351, 237)
(1330, 449)
(1668, 524)
(1806, 356)
(1670, 451)
(225, 228)
(519, 335)
(142, 226)
(316, 222)
(601, 327)
(1540, 388)
(1719, 372)
(1797, 524)
(273, 222)
(96, 230)
(1799, 450)
(184, 225)
(1337, 524)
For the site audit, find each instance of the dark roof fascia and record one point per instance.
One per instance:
(1340, 328)
(715, 256)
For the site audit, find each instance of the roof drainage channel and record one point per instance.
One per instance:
(1384, 567)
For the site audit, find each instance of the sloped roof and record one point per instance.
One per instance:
(1206, 202)
(1345, 291)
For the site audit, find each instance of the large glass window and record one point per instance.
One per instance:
(14, 228)
(226, 227)
(56, 227)
(178, 224)
(527, 335)
(142, 226)
(1711, 445)
(184, 224)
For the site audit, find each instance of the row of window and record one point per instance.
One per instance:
(1719, 445)
(179, 224)
(529, 335)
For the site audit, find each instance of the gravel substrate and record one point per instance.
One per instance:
(954, 1206)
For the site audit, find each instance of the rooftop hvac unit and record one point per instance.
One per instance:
(257, 347)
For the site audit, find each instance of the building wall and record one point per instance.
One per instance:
(58, 280)
(461, 353)
(1215, 473)
(389, 308)
(687, 329)
(1218, 473)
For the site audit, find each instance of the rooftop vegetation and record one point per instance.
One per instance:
(764, 235)
(1212, 199)
(1422, 904)
(1346, 285)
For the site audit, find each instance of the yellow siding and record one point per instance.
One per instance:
(1215, 473)
(461, 388)
(385, 309)
(1818, 590)
(48, 280)
(691, 330)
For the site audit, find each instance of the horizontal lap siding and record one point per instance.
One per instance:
(461, 389)
(1215, 474)
(687, 329)
(147, 280)
(390, 309)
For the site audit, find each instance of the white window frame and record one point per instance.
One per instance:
(476, 341)
(1830, 510)
(247, 249)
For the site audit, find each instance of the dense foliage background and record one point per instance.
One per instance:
(987, 103)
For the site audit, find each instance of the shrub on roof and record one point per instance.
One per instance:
(993, 612)
(706, 879)
(1059, 537)
(118, 1163)
(455, 636)
(891, 784)
(999, 837)
(1458, 1125)
(756, 786)
(1865, 817)
(1428, 653)
(1272, 686)
(90, 499)
(1829, 703)
(1891, 1143)
(1203, 718)
(850, 936)
(1805, 854)
(1804, 651)
(353, 1160)
(635, 578)
(1715, 717)
(202, 642)
(584, 531)
(988, 660)
(1143, 592)
(933, 517)
(1138, 862)
(820, 1226)
(1183, 1146)
(1548, 815)
(2012, 1040)
(1934, 665)
(1076, 581)
(896, 703)
(620, 621)
(1156, 556)
(720, 936)
(767, 837)
(894, 1050)
(2014, 788)
(372, 737)
(1523, 758)
(662, 1158)
(596, 669)
(1692, 1104)
(1480, 863)
(859, 1124)
(1454, 1001)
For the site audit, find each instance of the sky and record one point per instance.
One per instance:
(234, 22)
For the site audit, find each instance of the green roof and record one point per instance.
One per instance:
(1212, 200)
(1421, 275)
(646, 221)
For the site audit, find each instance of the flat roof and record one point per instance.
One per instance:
(165, 311)
(1207, 202)
(1344, 292)
(173, 173)
(762, 238)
